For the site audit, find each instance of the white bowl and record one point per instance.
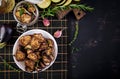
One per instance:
(21, 65)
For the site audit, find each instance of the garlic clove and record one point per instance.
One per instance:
(46, 22)
(58, 34)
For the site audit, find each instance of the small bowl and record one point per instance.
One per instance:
(22, 27)
(45, 34)
(32, 22)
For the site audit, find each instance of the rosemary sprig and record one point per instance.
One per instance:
(75, 34)
(51, 11)
(82, 7)
(8, 65)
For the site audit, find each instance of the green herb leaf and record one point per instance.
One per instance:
(21, 11)
(8, 65)
(51, 11)
(2, 45)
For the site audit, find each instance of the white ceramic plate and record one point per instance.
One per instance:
(21, 65)
(35, 1)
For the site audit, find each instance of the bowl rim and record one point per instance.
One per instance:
(33, 31)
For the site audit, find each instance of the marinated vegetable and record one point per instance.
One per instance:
(20, 56)
(25, 12)
(25, 40)
(36, 51)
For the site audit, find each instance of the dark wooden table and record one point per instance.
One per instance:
(98, 42)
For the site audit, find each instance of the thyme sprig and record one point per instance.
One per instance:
(8, 65)
(51, 11)
(75, 34)
(82, 7)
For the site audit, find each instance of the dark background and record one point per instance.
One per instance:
(98, 42)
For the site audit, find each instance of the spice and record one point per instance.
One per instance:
(75, 34)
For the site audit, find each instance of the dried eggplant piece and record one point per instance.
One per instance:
(38, 55)
(39, 37)
(42, 65)
(38, 69)
(28, 69)
(28, 47)
(24, 40)
(49, 51)
(43, 46)
(46, 63)
(31, 9)
(32, 56)
(30, 64)
(20, 56)
(26, 18)
(35, 43)
(51, 57)
(50, 42)
(29, 51)
(46, 60)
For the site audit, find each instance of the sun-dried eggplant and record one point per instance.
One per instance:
(43, 46)
(38, 55)
(42, 65)
(51, 57)
(20, 56)
(32, 56)
(28, 47)
(46, 59)
(35, 43)
(49, 51)
(39, 37)
(29, 51)
(50, 42)
(24, 40)
(30, 64)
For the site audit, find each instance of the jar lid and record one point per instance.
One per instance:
(35, 1)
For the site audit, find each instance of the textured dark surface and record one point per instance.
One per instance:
(98, 42)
